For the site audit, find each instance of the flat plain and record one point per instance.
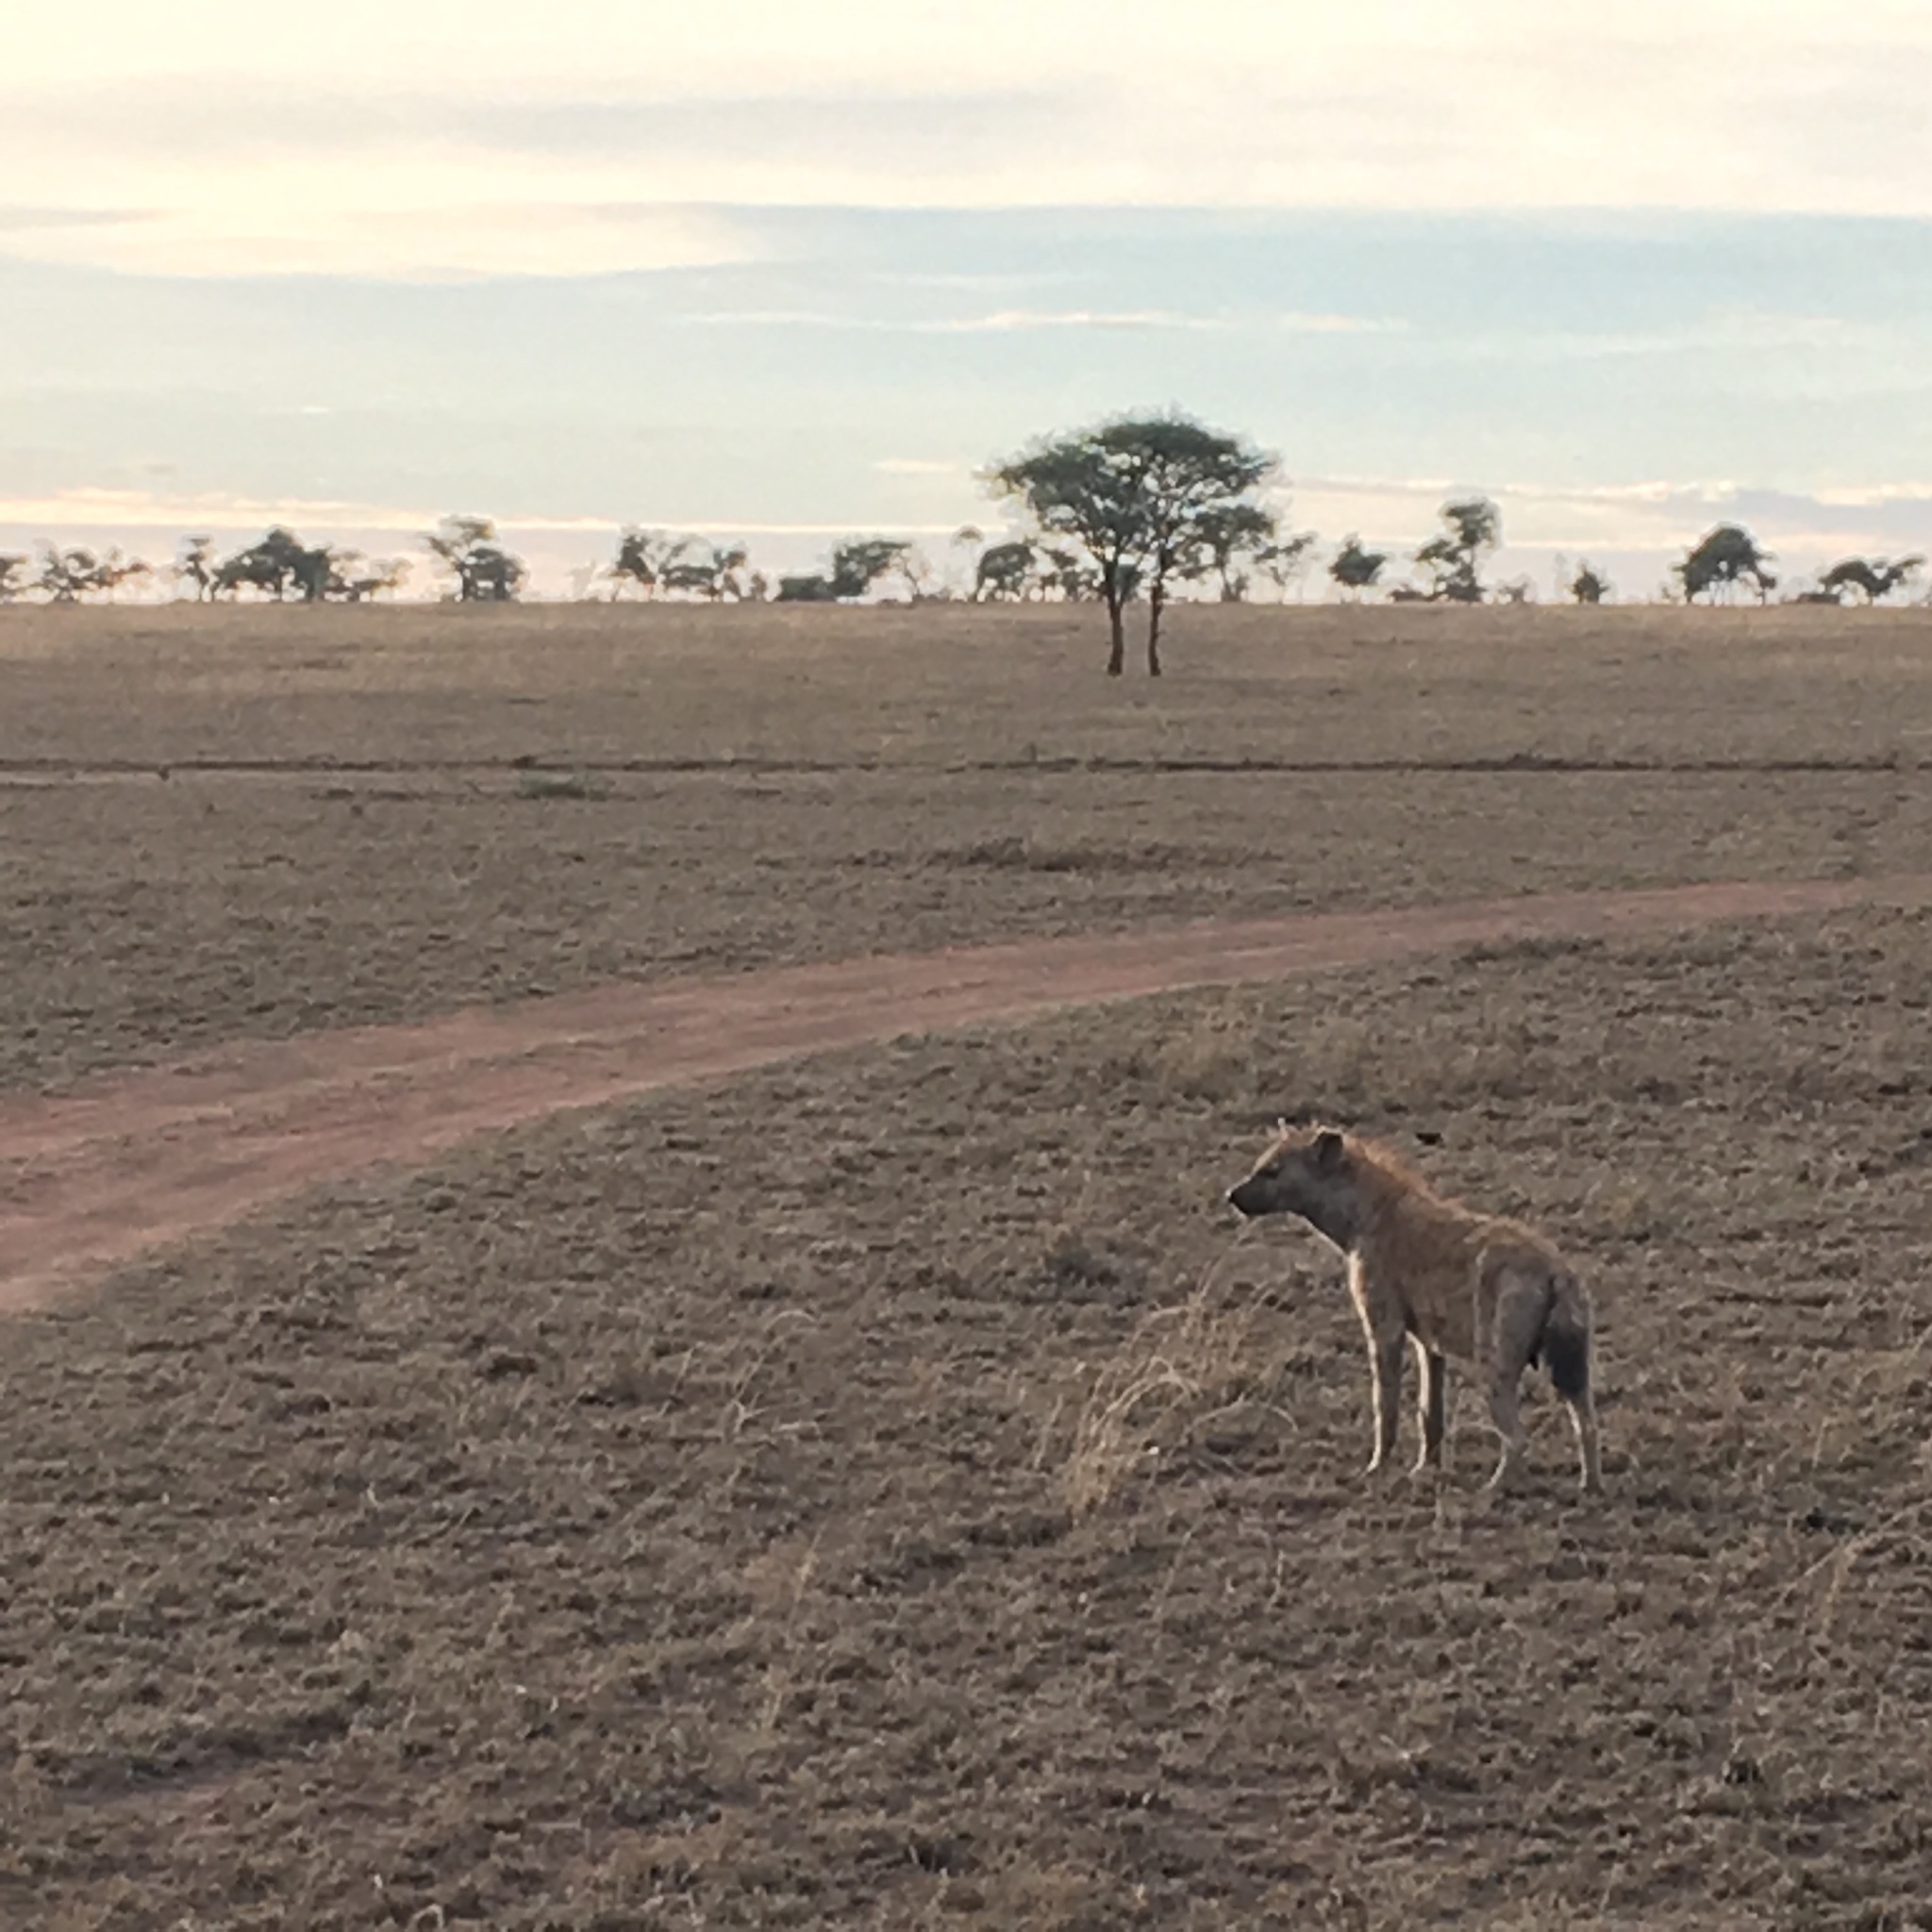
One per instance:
(887, 1489)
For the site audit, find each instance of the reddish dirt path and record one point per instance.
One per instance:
(94, 1177)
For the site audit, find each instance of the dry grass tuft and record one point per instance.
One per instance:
(1210, 1060)
(1180, 1369)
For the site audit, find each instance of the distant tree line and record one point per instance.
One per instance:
(1129, 512)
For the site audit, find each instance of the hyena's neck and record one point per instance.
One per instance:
(1337, 1222)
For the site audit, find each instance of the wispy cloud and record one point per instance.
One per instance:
(125, 509)
(16, 219)
(75, 511)
(257, 133)
(1001, 322)
(1020, 320)
(420, 232)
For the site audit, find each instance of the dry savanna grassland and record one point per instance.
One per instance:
(888, 1489)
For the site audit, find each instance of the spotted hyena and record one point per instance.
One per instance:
(1426, 1271)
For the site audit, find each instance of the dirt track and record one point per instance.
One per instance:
(89, 1179)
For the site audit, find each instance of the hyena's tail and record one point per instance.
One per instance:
(1564, 1344)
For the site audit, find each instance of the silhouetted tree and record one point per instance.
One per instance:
(486, 573)
(1067, 576)
(643, 557)
(1286, 560)
(279, 564)
(1723, 558)
(1140, 496)
(67, 574)
(857, 564)
(195, 563)
(1588, 586)
(12, 577)
(1869, 582)
(811, 587)
(1356, 568)
(735, 574)
(354, 578)
(656, 561)
(1454, 559)
(860, 562)
(1007, 571)
(1231, 534)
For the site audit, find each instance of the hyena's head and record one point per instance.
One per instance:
(1305, 1171)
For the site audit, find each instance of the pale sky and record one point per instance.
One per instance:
(802, 267)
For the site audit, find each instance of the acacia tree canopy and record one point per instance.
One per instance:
(1870, 582)
(486, 573)
(1143, 497)
(1588, 586)
(68, 573)
(1355, 567)
(1723, 558)
(1473, 528)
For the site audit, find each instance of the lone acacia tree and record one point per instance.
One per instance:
(1144, 497)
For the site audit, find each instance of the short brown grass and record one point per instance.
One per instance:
(607, 1527)
(605, 1532)
(730, 789)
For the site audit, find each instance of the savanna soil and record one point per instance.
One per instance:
(888, 1491)
(345, 833)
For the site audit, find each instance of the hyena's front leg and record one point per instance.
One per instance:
(1432, 1404)
(1385, 1349)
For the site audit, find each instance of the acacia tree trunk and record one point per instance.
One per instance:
(1157, 601)
(1116, 618)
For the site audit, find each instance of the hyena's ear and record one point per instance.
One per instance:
(1327, 1150)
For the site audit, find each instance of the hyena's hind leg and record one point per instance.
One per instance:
(1582, 1409)
(1522, 1301)
(1432, 1404)
(1566, 1351)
